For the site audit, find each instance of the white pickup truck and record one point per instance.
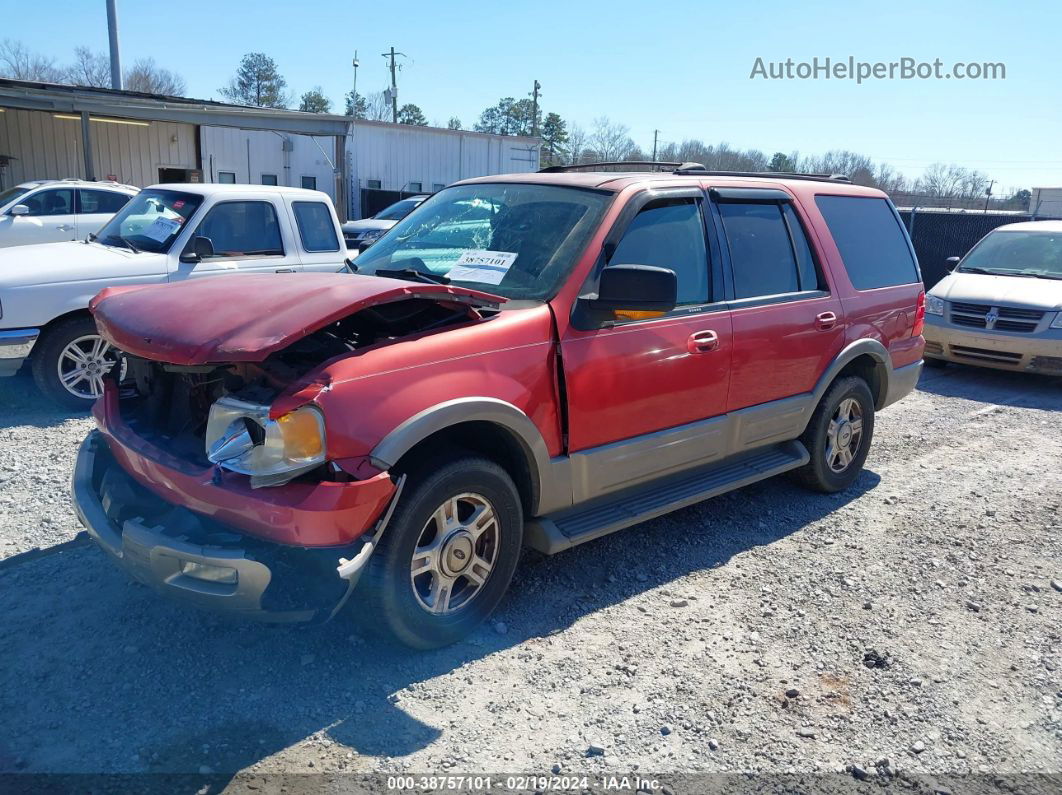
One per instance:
(166, 233)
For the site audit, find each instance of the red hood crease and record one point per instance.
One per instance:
(246, 317)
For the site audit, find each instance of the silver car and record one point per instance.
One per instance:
(1000, 306)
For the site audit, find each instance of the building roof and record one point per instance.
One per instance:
(56, 97)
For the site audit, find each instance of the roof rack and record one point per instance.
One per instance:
(695, 169)
(624, 164)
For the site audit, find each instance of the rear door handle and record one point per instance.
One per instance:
(285, 270)
(702, 341)
(65, 227)
(825, 321)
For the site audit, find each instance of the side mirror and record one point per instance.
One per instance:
(952, 262)
(19, 209)
(632, 289)
(200, 249)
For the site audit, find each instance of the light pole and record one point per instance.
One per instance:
(354, 99)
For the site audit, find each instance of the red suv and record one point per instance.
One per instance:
(525, 360)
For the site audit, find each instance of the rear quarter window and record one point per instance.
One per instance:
(871, 240)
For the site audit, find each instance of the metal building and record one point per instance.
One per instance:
(50, 131)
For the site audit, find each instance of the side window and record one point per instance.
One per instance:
(760, 251)
(871, 241)
(100, 201)
(241, 229)
(806, 268)
(669, 234)
(316, 228)
(58, 201)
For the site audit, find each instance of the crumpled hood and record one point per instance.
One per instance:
(244, 318)
(71, 261)
(1016, 291)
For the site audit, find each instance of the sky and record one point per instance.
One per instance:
(680, 67)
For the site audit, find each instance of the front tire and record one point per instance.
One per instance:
(838, 436)
(70, 361)
(448, 555)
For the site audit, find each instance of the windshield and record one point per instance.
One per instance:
(11, 194)
(151, 220)
(1017, 254)
(398, 210)
(514, 240)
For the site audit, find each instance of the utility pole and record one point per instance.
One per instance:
(534, 108)
(394, 83)
(988, 194)
(112, 32)
(656, 135)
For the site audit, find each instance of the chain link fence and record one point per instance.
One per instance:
(938, 234)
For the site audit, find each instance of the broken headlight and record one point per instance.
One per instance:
(241, 437)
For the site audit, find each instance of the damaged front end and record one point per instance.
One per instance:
(210, 476)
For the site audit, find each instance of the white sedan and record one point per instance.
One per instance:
(52, 211)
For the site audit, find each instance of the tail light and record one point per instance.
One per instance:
(920, 315)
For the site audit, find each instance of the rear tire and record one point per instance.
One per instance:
(69, 362)
(448, 555)
(838, 437)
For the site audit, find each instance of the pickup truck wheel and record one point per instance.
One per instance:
(449, 553)
(838, 436)
(70, 360)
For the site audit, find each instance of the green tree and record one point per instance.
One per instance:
(781, 162)
(411, 114)
(257, 82)
(314, 101)
(554, 137)
(453, 124)
(356, 105)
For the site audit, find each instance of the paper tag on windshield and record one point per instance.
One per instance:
(488, 267)
(161, 229)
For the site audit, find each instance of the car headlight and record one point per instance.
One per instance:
(372, 234)
(242, 438)
(934, 305)
(1057, 322)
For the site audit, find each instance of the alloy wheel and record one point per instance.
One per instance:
(844, 435)
(455, 553)
(83, 363)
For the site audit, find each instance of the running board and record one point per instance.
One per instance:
(565, 529)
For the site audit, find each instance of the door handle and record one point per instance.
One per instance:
(285, 270)
(825, 321)
(64, 227)
(702, 341)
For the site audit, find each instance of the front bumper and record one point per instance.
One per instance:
(15, 347)
(1034, 352)
(155, 541)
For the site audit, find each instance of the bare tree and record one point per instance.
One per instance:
(89, 69)
(19, 63)
(377, 108)
(577, 143)
(146, 76)
(612, 141)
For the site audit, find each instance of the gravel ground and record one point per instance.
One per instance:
(910, 625)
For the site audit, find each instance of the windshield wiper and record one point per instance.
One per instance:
(109, 241)
(1056, 276)
(975, 269)
(412, 274)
